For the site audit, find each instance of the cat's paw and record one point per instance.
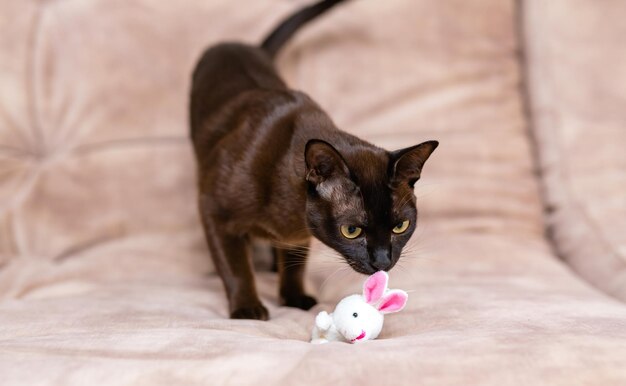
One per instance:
(302, 301)
(258, 312)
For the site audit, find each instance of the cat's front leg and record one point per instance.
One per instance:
(291, 263)
(233, 264)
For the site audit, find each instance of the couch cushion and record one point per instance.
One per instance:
(105, 276)
(493, 310)
(577, 75)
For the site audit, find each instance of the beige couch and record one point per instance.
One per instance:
(104, 273)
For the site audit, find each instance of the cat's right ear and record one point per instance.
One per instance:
(408, 163)
(323, 162)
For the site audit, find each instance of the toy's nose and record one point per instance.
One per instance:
(380, 259)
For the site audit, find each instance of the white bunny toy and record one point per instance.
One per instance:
(358, 318)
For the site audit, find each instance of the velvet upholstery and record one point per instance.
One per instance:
(104, 273)
(576, 79)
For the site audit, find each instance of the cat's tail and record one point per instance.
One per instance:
(285, 30)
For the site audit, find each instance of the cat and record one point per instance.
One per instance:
(271, 164)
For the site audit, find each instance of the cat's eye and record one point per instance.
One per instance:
(350, 231)
(402, 227)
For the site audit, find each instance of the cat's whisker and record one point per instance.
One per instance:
(425, 189)
(404, 271)
(288, 246)
(329, 277)
(405, 199)
(421, 255)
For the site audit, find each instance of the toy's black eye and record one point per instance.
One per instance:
(355, 314)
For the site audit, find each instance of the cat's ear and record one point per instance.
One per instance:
(408, 163)
(323, 162)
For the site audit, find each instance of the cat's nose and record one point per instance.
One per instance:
(381, 259)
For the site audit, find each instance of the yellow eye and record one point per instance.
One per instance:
(350, 231)
(402, 227)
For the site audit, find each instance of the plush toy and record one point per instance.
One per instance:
(358, 318)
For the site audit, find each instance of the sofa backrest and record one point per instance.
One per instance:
(95, 161)
(577, 83)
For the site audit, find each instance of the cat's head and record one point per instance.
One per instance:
(360, 201)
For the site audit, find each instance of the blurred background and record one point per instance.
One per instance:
(97, 181)
(526, 98)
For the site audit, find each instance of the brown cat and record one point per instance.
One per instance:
(271, 164)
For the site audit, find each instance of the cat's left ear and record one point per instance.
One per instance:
(408, 162)
(323, 162)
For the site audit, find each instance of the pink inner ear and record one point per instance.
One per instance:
(375, 286)
(394, 301)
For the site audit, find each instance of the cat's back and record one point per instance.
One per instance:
(223, 73)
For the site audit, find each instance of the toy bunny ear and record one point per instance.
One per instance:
(393, 301)
(375, 286)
